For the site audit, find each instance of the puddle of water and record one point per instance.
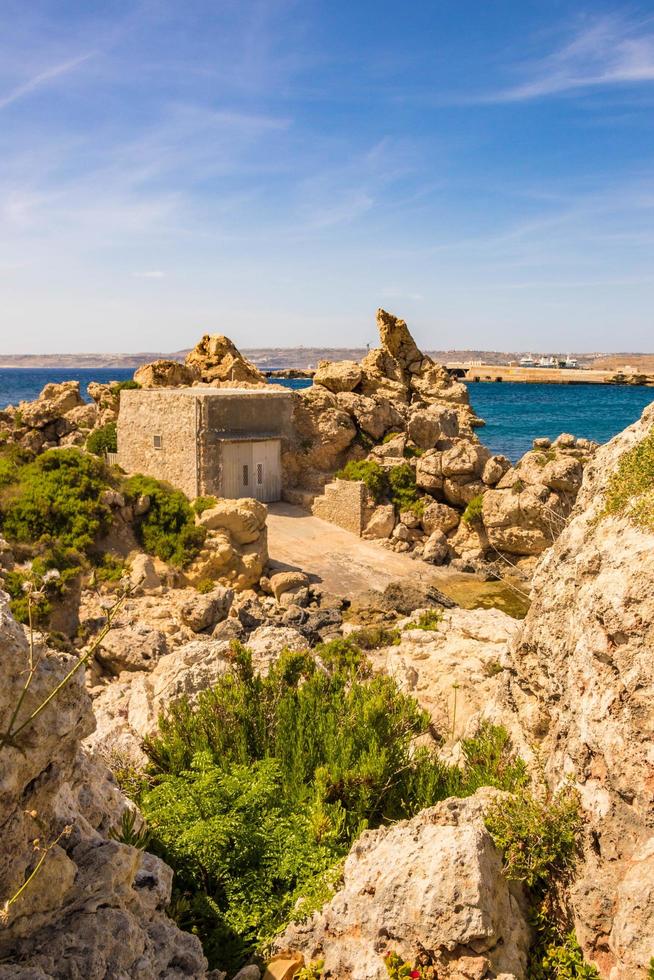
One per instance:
(471, 593)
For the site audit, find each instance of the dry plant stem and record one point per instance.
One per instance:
(30, 674)
(4, 913)
(12, 732)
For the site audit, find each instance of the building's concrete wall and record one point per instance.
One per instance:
(144, 414)
(344, 503)
(267, 412)
(251, 412)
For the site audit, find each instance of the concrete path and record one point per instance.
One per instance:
(347, 565)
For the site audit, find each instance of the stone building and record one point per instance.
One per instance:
(221, 441)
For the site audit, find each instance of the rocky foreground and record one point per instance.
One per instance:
(572, 684)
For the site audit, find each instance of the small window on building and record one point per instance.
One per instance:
(246, 476)
(259, 473)
(157, 442)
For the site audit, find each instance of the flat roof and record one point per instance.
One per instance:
(208, 391)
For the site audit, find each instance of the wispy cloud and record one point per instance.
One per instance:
(42, 78)
(150, 274)
(610, 51)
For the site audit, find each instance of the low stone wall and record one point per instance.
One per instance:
(344, 503)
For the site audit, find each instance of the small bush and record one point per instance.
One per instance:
(57, 497)
(370, 473)
(375, 637)
(413, 452)
(109, 569)
(200, 504)
(128, 385)
(390, 436)
(559, 957)
(430, 619)
(538, 838)
(167, 529)
(103, 440)
(67, 562)
(473, 512)
(630, 489)
(205, 586)
(402, 488)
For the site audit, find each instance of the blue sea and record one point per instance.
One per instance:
(515, 413)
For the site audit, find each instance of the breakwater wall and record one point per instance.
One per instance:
(554, 376)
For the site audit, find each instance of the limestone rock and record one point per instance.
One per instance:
(203, 611)
(374, 415)
(282, 582)
(431, 883)
(429, 471)
(464, 459)
(244, 518)
(268, 642)
(581, 682)
(439, 517)
(427, 426)
(164, 374)
(381, 523)
(216, 359)
(96, 908)
(53, 403)
(523, 521)
(337, 375)
(436, 548)
(494, 470)
(143, 574)
(136, 647)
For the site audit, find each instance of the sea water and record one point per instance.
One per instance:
(515, 414)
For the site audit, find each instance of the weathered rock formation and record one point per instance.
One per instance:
(216, 360)
(95, 907)
(430, 889)
(165, 374)
(581, 689)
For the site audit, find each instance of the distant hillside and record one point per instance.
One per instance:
(272, 358)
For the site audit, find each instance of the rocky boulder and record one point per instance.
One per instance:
(244, 518)
(96, 907)
(430, 889)
(337, 375)
(580, 687)
(215, 359)
(165, 374)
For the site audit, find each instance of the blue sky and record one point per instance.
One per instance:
(276, 170)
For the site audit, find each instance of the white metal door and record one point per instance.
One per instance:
(237, 469)
(266, 470)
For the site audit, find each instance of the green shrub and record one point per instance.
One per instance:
(200, 504)
(430, 620)
(538, 839)
(109, 569)
(57, 497)
(66, 561)
(390, 436)
(370, 473)
(205, 586)
(103, 440)
(127, 385)
(413, 452)
(630, 489)
(402, 488)
(256, 792)
(559, 957)
(167, 529)
(375, 637)
(474, 510)
(11, 460)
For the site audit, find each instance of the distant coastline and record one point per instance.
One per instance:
(304, 358)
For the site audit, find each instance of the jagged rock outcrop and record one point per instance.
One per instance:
(581, 690)
(95, 907)
(414, 414)
(431, 889)
(215, 359)
(58, 417)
